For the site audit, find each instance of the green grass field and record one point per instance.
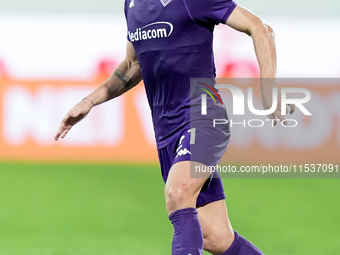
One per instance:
(102, 209)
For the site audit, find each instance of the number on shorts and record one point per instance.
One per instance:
(192, 132)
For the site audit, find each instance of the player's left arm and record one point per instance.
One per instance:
(265, 49)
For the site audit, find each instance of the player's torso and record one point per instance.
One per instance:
(171, 48)
(170, 45)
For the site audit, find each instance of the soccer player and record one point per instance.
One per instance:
(170, 42)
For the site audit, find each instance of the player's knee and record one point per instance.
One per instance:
(177, 197)
(217, 242)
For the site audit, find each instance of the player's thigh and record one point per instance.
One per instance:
(218, 233)
(181, 190)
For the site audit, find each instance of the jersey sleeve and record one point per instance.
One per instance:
(210, 11)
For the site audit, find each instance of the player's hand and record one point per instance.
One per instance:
(75, 115)
(267, 86)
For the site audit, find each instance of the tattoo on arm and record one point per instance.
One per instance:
(127, 82)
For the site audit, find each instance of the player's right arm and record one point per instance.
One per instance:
(126, 76)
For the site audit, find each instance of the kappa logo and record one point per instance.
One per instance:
(180, 151)
(132, 4)
(183, 152)
(165, 2)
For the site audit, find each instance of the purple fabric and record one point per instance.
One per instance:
(173, 44)
(188, 237)
(208, 11)
(242, 246)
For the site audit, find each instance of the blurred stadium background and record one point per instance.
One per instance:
(100, 191)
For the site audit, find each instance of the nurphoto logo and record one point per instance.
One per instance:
(241, 100)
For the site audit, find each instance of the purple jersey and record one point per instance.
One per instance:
(173, 41)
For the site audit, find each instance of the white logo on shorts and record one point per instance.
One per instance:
(132, 4)
(183, 152)
(180, 151)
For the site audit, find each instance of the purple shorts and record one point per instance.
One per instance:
(201, 143)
